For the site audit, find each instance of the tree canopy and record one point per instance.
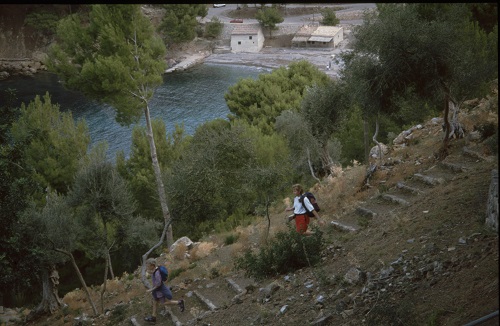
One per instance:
(329, 17)
(180, 21)
(260, 101)
(111, 55)
(431, 52)
(52, 143)
(269, 17)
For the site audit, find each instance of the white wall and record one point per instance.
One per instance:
(247, 43)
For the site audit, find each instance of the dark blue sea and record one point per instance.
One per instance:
(190, 98)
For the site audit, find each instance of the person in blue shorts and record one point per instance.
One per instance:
(160, 292)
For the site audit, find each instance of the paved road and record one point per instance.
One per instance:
(348, 7)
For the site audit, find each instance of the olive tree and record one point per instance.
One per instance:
(105, 208)
(438, 50)
(113, 55)
(48, 146)
(323, 109)
(59, 232)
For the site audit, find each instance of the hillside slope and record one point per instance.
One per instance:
(408, 247)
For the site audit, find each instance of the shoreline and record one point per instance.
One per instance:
(268, 58)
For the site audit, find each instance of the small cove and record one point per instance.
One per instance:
(189, 98)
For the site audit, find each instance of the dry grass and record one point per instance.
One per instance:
(179, 251)
(203, 249)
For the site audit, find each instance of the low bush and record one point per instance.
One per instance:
(230, 239)
(286, 252)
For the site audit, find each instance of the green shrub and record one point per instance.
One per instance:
(213, 28)
(233, 221)
(230, 239)
(174, 273)
(119, 314)
(43, 21)
(286, 252)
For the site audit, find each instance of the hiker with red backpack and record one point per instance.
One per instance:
(160, 292)
(303, 209)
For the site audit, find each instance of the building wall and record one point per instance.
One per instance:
(339, 37)
(247, 43)
(288, 29)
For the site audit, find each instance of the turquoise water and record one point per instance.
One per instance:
(189, 97)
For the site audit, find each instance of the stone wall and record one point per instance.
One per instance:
(23, 66)
(21, 46)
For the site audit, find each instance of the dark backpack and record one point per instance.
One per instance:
(163, 273)
(312, 199)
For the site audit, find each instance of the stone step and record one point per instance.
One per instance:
(235, 286)
(470, 153)
(195, 308)
(210, 305)
(457, 168)
(168, 313)
(365, 212)
(343, 227)
(222, 293)
(429, 180)
(395, 199)
(402, 186)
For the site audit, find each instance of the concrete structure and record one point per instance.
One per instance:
(325, 37)
(246, 38)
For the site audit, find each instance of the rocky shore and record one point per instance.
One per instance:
(22, 66)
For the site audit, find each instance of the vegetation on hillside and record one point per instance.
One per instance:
(291, 125)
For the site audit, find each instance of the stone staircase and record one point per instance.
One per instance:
(408, 192)
(203, 297)
(208, 296)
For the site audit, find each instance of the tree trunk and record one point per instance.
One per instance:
(146, 283)
(167, 229)
(443, 152)
(268, 202)
(327, 160)
(110, 267)
(50, 297)
(80, 277)
(457, 130)
(159, 182)
(310, 165)
(103, 287)
(380, 153)
(366, 140)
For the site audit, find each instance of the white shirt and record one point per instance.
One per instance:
(298, 208)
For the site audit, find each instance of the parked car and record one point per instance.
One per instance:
(236, 21)
(218, 5)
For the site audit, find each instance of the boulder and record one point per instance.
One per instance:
(184, 240)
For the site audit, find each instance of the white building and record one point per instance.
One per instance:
(247, 38)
